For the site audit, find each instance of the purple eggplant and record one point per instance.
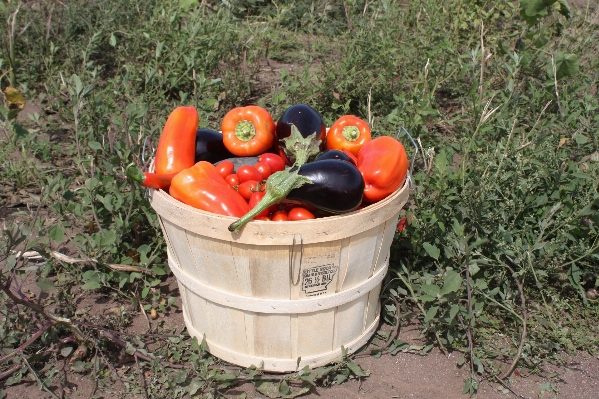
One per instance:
(337, 187)
(210, 146)
(334, 154)
(307, 120)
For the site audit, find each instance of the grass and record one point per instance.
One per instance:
(503, 103)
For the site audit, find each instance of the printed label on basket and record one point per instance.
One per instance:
(319, 274)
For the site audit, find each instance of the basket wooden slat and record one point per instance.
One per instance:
(277, 291)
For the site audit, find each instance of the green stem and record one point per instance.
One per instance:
(300, 149)
(278, 185)
(245, 130)
(351, 133)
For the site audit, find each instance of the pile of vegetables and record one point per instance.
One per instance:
(257, 169)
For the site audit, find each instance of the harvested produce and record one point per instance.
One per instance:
(337, 187)
(335, 154)
(299, 213)
(202, 187)
(176, 147)
(210, 146)
(157, 181)
(248, 131)
(275, 162)
(348, 133)
(383, 163)
(305, 118)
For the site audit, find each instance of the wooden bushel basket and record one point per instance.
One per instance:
(277, 291)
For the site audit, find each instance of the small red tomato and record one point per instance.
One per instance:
(232, 180)
(275, 162)
(280, 216)
(264, 169)
(263, 218)
(401, 225)
(248, 187)
(254, 199)
(247, 172)
(225, 168)
(299, 213)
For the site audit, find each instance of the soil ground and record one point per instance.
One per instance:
(405, 375)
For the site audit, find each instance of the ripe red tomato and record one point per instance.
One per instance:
(264, 169)
(275, 162)
(254, 199)
(232, 180)
(248, 172)
(280, 216)
(248, 187)
(225, 168)
(299, 213)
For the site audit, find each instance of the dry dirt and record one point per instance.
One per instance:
(405, 375)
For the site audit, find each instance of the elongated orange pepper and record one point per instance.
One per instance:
(248, 131)
(176, 148)
(348, 133)
(202, 187)
(383, 163)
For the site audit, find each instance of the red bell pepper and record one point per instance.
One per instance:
(383, 163)
(348, 133)
(202, 187)
(176, 148)
(248, 131)
(151, 180)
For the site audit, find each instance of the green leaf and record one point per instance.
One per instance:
(186, 5)
(267, 389)
(78, 84)
(432, 312)
(357, 370)
(430, 289)
(453, 311)
(66, 351)
(566, 65)
(56, 233)
(158, 271)
(181, 376)
(431, 250)
(94, 145)
(194, 387)
(11, 262)
(473, 268)
(112, 40)
(564, 8)
(451, 283)
(78, 366)
(91, 285)
(45, 284)
(284, 388)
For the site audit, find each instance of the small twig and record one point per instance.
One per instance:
(94, 375)
(523, 335)
(559, 105)
(393, 335)
(117, 377)
(349, 24)
(10, 372)
(35, 336)
(468, 328)
(148, 358)
(42, 385)
(49, 22)
(141, 377)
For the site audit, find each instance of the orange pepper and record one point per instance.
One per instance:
(383, 163)
(348, 133)
(248, 131)
(202, 187)
(177, 146)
